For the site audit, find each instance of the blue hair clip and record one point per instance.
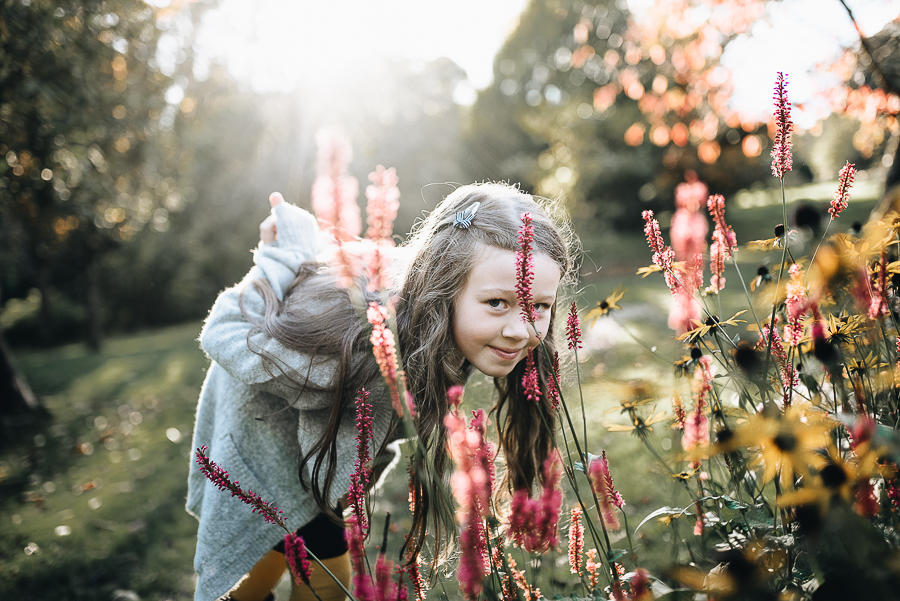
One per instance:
(464, 218)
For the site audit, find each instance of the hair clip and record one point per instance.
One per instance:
(463, 219)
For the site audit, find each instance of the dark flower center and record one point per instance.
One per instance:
(779, 230)
(696, 353)
(604, 305)
(833, 476)
(762, 271)
(724, 436)
(747, 358)
(785, 441)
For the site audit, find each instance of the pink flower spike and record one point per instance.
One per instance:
(576, 541)
(573, 328)
(383, 202)
(552, 388)
(525, 270)
(363, 587)
(455, 397)
(782, 160)
(334, 192)
(842, 195)
(297, 558)
(359, 479)
(663, 256)
(221, 480)
(534, 523)
(385, 351)
(878, 306)
(607, 495)
(530, 381)
(723, 243)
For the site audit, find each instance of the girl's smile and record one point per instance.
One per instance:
(487, 323)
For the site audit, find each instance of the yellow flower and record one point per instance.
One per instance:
(835, 478)
(610, 303)
(712, 322)
(787, 443)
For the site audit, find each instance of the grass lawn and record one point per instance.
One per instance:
(91, 499)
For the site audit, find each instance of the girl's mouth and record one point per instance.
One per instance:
(507, 354)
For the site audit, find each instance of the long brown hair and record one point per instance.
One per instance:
(440, 258)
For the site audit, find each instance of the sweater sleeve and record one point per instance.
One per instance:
(224, 337)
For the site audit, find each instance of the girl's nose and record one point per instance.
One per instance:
(515, 327)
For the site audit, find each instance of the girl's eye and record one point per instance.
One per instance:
(495, 303)
(543, 307)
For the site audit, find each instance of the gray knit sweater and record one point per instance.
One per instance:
(255, 425)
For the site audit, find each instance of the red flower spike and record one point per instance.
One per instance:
(573, 328)
(525, 270)
(842, 195)
(221, 480)
(530, 381)
(782, 160)
(297, 558)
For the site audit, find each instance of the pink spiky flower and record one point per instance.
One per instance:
(573, 328)
(385, 351)
(534, 523)
(663, 256)
(576, 541)
(723, 243)
(602, 484)
(472, 483)
(525, 270)
(383, 203)
(696, 427)
(383, 197)
(797, 307)
(297, 558)
(782, 160)
(530, 381)
(593, 567)
(412, 572)
(878, 306)
(789, 377)
(455, 397)
(219, 477)
(363, 587)
(359, 480)
(842, 195)
(530, 594)
(334, 192)
(552, 388)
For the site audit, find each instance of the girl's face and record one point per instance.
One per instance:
(487, 322)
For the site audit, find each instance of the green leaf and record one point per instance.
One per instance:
(673, 511)
(733, 503)
(615, 554)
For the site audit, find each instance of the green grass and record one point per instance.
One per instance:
(92, 499)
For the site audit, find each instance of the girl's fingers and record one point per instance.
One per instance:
(267, 231)
(275, 199)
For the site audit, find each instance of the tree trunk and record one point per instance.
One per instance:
(17, 401)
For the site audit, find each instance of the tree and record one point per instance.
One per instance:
(80, 97)
(607, 106)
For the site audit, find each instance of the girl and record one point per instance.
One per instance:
(289, 355)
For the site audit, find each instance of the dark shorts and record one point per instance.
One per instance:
(323, 538)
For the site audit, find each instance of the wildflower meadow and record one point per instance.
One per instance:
(783, 475)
